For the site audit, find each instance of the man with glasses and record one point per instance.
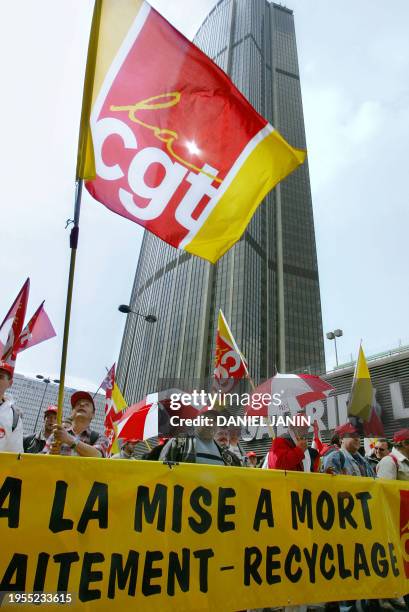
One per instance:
(395, 466)
(382, 449)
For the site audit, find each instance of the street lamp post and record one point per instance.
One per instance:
(149, 318)
(333, 335)
(47, 382)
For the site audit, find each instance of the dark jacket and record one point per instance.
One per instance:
(153, 455)
(183, 450)
(33, 444)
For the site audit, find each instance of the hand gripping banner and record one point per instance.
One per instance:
(167, 140)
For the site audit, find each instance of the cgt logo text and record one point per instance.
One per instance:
(145, 202)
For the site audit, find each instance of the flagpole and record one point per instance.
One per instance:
(85, 169)
(73, 246)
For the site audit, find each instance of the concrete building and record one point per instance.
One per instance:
(32, 395)
(267, 285)
(390, 378)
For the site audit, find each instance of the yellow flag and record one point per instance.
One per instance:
(229, 361)
(118, 404)
(360, 402)
(118, 401)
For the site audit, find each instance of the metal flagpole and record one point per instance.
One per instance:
(85, 169)
(73, 246)
(41, 405)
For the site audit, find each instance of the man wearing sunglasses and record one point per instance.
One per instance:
(382, 449)
(395, 465)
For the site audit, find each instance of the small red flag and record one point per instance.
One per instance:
(37, 330)
(11, 327)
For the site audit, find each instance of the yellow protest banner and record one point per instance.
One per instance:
(141, 535)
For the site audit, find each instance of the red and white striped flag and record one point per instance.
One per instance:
(150, 417)
(140, 421)
(295, 391)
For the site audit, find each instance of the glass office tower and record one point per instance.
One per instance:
(267, 285)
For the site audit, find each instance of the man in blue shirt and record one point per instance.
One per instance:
(347, 460)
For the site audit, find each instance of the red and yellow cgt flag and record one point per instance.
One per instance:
(166, 139)
(229, 362)
(114, 407)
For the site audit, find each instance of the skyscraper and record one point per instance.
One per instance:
(267, 284)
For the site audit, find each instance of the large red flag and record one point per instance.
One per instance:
(166, 138)
(37, 330)
(11, 327)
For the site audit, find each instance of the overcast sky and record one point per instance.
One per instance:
(354, 64)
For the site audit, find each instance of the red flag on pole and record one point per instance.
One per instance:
(317, 442)
(114, 407)
(37, 330)
(109, 380)
(11, 327)
(167, 140)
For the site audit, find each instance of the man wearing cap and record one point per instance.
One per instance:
(80, 439)
(251, 459)
(347, 460)
(34, 443)
(11, 425)
(127, 450)
(395, 466)
(199, 448)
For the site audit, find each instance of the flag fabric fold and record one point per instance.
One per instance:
(167, 140)
(295, 392)
(12, 325)
(114, 407)
(229, 361)
(151, 417)
(38, 329)
(316, 440)
(360, 400)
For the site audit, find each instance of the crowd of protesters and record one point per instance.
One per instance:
(213, 445)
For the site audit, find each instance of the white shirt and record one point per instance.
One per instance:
(387, 468)
(10, 441)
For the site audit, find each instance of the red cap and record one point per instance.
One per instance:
(251, 454)
(125, 441)
(401, 435)
(7, 368)
(79, 395)
(162, 440)
(346, 430)
(52, 409)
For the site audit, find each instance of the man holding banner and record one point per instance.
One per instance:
(347, 460)
(80, 439)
